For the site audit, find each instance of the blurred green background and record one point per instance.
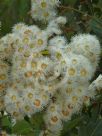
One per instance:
(83, 16)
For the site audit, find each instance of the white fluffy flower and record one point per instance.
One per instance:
(58, 42)
(78, 68)
(4, 70)
(87, 45)
(44, 10)
(98, 82)
(53, 26)
(30, 39)
(46, 71)
(95, 85)
(6, 46)
(18, 27)
(53, 122)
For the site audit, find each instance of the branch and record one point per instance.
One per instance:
(76, 10)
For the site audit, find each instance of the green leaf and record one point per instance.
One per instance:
(22, 128)
(91, 126)
(6, 121)
(6, 124)
(100, 4)
(70, 125)
(23, 9)
(12, 12)
(96, 26)
(38, 123)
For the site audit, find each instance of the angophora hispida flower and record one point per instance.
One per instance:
(44, 65)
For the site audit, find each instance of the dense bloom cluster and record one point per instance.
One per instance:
(31, 74)
(44, 10)
(37, 66)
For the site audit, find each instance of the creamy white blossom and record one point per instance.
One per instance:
(43, 66)
(87, 45)
(44, 10)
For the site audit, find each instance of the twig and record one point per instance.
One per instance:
(76, 10)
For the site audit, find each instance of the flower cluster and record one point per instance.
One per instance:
(78, 69)
(4, 69)
(43, 66)
(44, 10)
(30, 87)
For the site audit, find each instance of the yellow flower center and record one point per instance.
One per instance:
(2, 87)
(43, 66)
(31, 46)
(28, 32)
(43, 4)
(18, 104)
(18, 27)
(71, 71)
(58, 55)
(23, 64)
(46, 14)
(52, 108)
(69, 82)
(40, 41)
(44, 97)
(2, 77)
(13, 97)
(30, 95)
(26, 40)
(65, 113)
(83, 72)
(28, 74)
(50, 88)
(20, 49)
(33, 64)
(38, 73)
(54, 119)
(74, 61)
(74, 98)
(27, 54)
(63, 62)
(27, 108)
(37, 103)
(15, 114)
(69, 90)
(35, 55)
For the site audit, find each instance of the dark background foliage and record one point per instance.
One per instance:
(83, 16)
